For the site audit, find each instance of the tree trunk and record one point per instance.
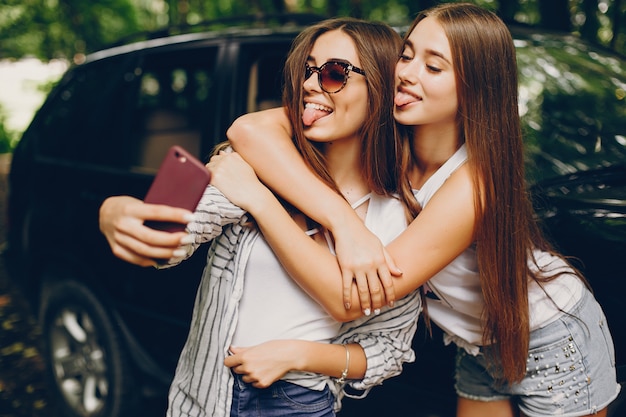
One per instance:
(172, 12)
(589, 30)
(279, 6)
(333, 7)
(616, 20)
(507, 10)
(416, 6)
(554, 14)
(356, 9)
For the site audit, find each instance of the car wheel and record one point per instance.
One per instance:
(86, 358)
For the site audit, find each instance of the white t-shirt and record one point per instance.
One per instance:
(274, 307)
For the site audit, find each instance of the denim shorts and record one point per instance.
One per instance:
(282, 399)
(570, 368)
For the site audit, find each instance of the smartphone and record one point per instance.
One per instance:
(180, 182)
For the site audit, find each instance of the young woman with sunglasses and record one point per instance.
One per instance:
(338, 94)
(531, 339)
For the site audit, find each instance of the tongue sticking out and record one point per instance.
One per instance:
(402, 98)
(310, 115)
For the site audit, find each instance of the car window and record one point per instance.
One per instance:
(250, 71)
(171, 107)
(263, 65)
(86, 117)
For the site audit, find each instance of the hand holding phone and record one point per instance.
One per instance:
(180, 182)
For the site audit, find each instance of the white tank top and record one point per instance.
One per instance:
(455, 300)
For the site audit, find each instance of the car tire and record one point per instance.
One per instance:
(87, 363)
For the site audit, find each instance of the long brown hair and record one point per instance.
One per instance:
(485, 64)
(377, 46)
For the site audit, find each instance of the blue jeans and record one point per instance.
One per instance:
(281, 399)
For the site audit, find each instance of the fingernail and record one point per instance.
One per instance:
(391, 303)
(189, 217)
(347, 306)
(179, 253)
(376, 311)
(367, 311)
(187, 239)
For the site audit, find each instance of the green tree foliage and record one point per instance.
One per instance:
(70, 28)
(8, 139)
(5, 138)
(62, 28)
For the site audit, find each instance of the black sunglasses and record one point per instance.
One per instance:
(332, 75)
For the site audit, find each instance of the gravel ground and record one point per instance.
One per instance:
(22, 388)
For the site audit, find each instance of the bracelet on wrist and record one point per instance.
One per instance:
(344, 373)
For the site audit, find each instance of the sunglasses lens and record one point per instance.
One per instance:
(333, 77)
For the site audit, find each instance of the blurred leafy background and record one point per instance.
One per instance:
(66, 30)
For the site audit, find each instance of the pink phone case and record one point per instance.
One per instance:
(180, 182)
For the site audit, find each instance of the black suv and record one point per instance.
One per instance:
(113, 331)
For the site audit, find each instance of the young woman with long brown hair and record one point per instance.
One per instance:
(530, 334)
(259, 344)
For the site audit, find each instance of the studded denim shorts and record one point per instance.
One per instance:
(570, 368)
